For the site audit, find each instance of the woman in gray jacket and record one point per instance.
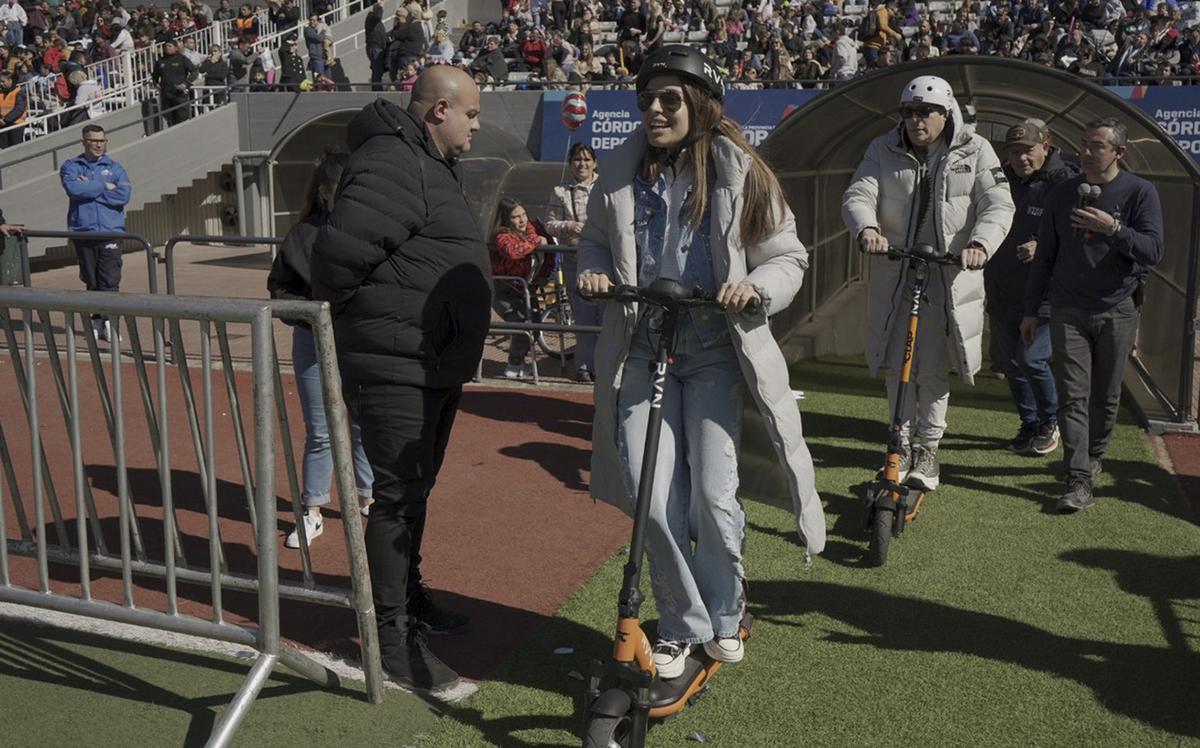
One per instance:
(685, 197)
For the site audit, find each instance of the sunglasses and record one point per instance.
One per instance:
(921, 112)
(671, 100)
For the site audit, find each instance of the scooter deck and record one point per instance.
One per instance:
(669, 695)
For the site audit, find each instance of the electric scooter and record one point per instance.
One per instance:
(625, 693)
(891, 504)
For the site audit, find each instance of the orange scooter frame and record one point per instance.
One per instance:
(890, 504)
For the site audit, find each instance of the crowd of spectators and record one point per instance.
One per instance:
(49, 49)
(538, 43)
(772, 43)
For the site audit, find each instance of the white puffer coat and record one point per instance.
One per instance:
(775, 266)
(970, 202)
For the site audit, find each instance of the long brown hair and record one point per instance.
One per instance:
(763, 195)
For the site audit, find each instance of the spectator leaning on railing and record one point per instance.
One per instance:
(14, 107)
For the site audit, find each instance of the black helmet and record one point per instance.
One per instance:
(685, 61)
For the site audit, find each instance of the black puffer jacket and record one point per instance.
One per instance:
(1004, 275)
(291, 272)
(401, 259)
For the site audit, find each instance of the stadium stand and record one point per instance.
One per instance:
(84, 58)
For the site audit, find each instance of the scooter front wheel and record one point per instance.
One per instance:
(881, 535)
(609, 723)
(607, 732)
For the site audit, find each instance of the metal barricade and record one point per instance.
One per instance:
(317, 317)
(58, 317)
(91, 236)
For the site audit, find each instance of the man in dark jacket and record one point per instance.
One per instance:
(404, 265)
(1033, 167)
(377, 44)
(407, 44)
(173, 73)
(285, 14)
(1091, 262)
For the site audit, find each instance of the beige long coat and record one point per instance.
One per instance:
(775, 266)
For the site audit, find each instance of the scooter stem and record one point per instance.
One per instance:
(921, 268)
(630, 601)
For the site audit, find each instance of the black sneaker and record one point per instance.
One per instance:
(1022, 443)
(435, 619)
(924, 473)
(1045, 440)
(1078, 496)
(410, 662)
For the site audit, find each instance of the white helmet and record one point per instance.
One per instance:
(929, 89)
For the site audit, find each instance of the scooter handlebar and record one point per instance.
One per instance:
(668, 298)
(924, 252)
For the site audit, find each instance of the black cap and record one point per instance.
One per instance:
(686, 62)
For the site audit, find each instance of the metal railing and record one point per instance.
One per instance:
(126, 80)
(60, 316)
(190, 320)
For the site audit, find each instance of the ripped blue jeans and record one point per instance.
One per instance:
(697, 527)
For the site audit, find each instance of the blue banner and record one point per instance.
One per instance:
(1176, 109)
(613, 115)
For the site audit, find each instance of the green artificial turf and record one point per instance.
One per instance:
(995, 622)
(67, 688)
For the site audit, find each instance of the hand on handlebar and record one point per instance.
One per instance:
(734, 297)
(872, 242)
(594, 283)
(973, 257)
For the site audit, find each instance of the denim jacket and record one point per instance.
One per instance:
(693, 254)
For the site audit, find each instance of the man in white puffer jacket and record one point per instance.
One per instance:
(932, 180)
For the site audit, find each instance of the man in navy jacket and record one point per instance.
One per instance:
(99, 189)
(1092, 257)
(1033, 168)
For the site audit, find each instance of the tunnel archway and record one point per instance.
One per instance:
(816, 150)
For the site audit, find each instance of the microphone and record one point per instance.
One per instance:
(1086, 197)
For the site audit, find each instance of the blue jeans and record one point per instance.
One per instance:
(584, 313)
(1027, 369)
(698, 589)
(14, 34)
(318, 457)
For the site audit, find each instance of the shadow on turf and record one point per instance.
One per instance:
(37, 653)
(1146, 683)
(536, 666)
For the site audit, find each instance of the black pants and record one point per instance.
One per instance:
(176, 108)
(405, 430)
(378, 59)
(13, 137)
(1089, 354)
(510, 304)
(99, 266)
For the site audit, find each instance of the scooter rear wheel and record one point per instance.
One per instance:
(607, 732)
(881, 535)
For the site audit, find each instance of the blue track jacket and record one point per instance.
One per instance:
(94, 207)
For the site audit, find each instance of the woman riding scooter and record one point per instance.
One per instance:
(685, 197)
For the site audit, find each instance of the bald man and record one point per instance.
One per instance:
(406, 271)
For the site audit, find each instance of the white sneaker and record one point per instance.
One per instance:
(517, 371)
(670, 657)
(314, 525)
(364, 505)
(98, 330)
(726, 650)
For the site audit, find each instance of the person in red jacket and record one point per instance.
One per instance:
(516, 239)
(534, 52)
